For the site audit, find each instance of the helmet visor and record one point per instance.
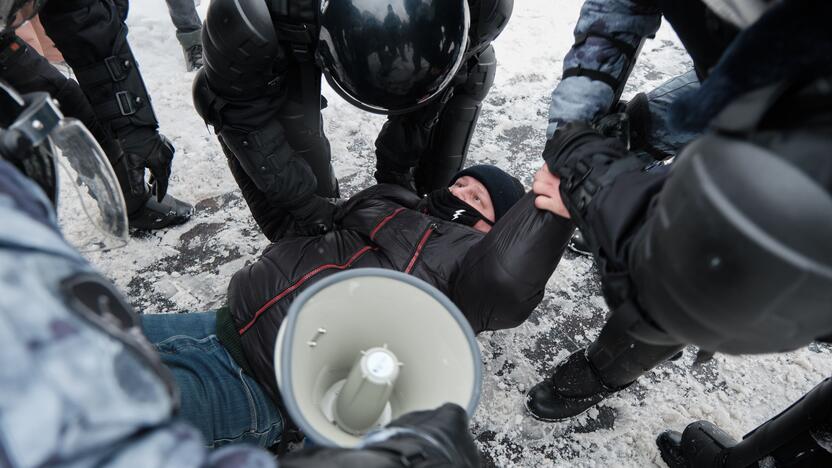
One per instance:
(91, 209)
(395, 56)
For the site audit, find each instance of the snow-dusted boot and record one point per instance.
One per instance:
(573, 388)
(611, 363)
(702, 445)
(158, 215)
(800, 436)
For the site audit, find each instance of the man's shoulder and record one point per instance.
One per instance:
(364, 208)
(390, 193)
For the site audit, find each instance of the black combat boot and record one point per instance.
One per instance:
(702, 445)
(611, 363)
(798, 437)
(158, 215)
(573, 388)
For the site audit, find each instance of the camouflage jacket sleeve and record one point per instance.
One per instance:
(607, 33)
(72, 394)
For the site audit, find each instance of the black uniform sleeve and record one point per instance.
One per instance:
(92, 37)
(609, 195)
(250, 92)
(502, 278)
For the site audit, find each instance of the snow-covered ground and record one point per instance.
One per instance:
(187, 268)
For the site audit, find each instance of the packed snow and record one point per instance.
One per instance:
(187, 268)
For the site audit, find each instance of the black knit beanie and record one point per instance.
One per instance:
(503, 189)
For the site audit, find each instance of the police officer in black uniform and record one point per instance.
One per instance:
(112, 100)
(729, 250)
(427, 64)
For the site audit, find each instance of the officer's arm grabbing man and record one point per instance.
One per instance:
(728, 250)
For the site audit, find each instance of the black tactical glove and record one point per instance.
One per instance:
(154, 153)
(444, 430)
(313, 216)
(435, 438)
(586, 163)
(577, 150)
(566, 140)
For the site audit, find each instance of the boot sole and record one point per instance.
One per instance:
(567, 418)
(163, 223)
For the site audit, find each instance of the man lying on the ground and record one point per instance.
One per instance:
(481, 242)
(79, 385)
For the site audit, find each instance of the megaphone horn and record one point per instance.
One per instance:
(362, 347)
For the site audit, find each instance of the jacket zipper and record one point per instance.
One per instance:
(420, 246)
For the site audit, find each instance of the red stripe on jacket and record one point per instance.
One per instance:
(319, 269)
(419, 247)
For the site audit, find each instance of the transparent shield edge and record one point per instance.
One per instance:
(95, 176)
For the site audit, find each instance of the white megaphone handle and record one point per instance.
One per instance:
(366, 392)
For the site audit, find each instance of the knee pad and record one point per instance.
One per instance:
(481, 73)
(270, 163)
(240, 46)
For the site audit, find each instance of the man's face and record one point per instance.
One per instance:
(474, 193)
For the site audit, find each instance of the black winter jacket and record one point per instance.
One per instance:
(496, 279)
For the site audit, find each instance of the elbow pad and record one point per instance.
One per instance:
(737, 254)
(489, 18)
(241, 46)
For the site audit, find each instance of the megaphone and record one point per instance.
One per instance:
(365, 346)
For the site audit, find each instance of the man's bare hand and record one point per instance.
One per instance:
(547, 188)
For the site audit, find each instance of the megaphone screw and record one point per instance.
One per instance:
(314, 341)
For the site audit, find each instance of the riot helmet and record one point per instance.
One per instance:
(37, 139)
(13, 13)
(392, 56)
(740, 13)
(736, 257)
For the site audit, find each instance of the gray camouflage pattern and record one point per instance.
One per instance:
(579, 97)
(71, 395)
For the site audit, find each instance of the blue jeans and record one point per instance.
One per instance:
(224, 403)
